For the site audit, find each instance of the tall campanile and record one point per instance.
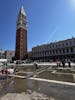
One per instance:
(21, 35)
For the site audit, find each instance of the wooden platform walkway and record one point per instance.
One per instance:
(18, 76)
(12, 75)
(53, 81)
(40, 79)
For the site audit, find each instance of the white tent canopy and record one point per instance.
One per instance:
(3, 60)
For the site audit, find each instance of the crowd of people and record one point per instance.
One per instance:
(63, 62)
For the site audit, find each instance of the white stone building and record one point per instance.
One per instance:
(55, 51)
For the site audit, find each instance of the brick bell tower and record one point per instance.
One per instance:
(21, 35)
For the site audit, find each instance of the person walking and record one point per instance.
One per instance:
(69, 63)
(63, 62)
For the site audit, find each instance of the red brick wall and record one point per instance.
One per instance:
(21, 44)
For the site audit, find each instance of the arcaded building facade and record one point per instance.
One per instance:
(21, 35)
(55, 51)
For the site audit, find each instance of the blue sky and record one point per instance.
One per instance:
(48, 21)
